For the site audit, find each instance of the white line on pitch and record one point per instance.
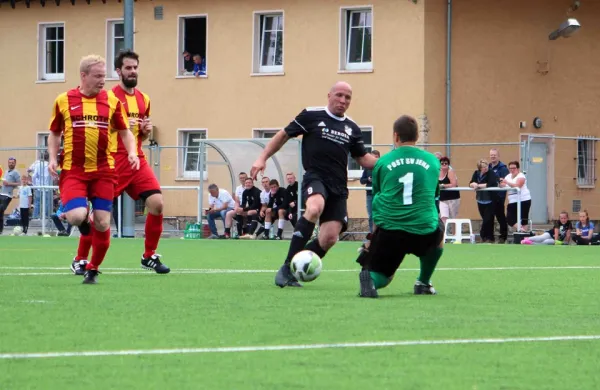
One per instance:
(271, 348)
(193, 271)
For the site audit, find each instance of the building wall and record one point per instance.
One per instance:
(496, 46)
(229, 103)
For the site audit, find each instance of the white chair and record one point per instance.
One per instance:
(458, 235)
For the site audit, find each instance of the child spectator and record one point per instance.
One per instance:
(584, 230)
(199, 66)
(559, 235)
(25, 200)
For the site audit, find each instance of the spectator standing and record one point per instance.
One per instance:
(516, 179)
(482, 178)
(499, 197)
(366, 179)
(25, 199)
(449, 200)
(41, 177)
(10, 181)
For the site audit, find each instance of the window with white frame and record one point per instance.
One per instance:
(42, 140)
(268, 42)
(354, 169)
(115, 41)
(264, 133)
(51, 49)
(356, 33)
(586, 163)
(192, 40)
(191, 154)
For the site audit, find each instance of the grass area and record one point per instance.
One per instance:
(220, 294)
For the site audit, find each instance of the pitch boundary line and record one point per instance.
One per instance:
(273, 348)
(197, 271)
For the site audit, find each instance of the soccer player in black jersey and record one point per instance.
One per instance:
(328, 136)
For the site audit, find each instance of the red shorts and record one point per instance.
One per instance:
(134, 182)
(75, 185)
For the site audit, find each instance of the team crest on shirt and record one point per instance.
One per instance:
(348, 130)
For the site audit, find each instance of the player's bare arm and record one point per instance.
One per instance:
(367, 161)
(53, 147)
(146, 128)
(129, 142)
(272, 147)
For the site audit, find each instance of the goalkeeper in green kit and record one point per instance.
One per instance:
(405, 184)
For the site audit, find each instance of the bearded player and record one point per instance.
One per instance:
(141, 184)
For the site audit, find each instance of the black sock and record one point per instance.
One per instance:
(314, 246)
(260, 230)
(302, 234)
(240, 220)
(253, 226)
(85, 227)
(279, 233)
(228, 231)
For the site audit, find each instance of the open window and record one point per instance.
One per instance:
(192, 42)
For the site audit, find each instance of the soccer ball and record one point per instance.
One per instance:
(306, 266)
(17, 230)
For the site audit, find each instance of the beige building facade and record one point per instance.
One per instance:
(267, 60)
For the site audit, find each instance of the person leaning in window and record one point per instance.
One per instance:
(516, 179)
(483, 177)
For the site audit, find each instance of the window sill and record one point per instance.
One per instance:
(267, 74)
(586, 187)
(342, 71)
(50, 81)
(189, 179)
(191, 77)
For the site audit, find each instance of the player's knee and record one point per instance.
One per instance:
(314, 207)
(155, 204)
(327, 240)
(76, 216)
(101, 220)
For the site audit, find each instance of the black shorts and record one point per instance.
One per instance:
(388, 247)
(511, 212)
(336, 208)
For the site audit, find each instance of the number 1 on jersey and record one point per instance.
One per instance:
(407, 181)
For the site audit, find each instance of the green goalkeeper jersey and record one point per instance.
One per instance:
(405, 184)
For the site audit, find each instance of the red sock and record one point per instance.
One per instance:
(154, 228)
(100, 244)
(83, 250)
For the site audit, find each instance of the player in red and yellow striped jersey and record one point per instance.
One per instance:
(86, 118)
(138, 184)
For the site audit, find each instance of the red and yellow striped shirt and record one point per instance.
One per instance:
(87, 124)
(137, 107)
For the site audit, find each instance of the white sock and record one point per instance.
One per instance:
(267, 225)
(280, 223)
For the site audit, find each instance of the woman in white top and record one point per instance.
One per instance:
(516, 179)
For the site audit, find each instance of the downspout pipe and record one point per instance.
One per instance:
(449, 79)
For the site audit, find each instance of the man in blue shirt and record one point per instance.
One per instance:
(499, 197)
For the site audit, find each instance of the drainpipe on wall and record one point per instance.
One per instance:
(448, 78)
